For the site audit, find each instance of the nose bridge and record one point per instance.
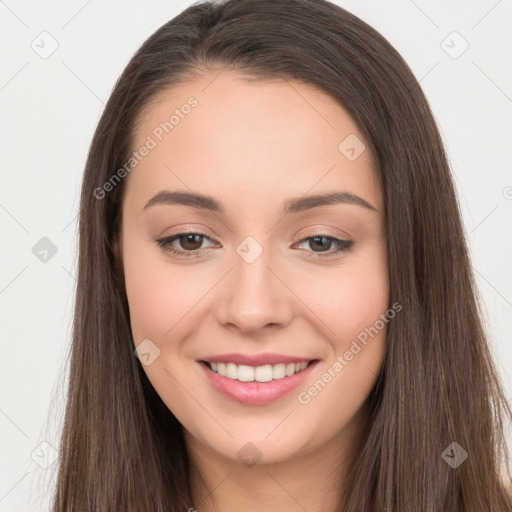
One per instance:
(253, 296)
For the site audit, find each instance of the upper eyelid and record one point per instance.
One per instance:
(316, 231)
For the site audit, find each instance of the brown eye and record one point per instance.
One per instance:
(183, 244)
(190, 241)
(321, 245)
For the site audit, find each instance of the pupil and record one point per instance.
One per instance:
(192, 239)
(323, 240)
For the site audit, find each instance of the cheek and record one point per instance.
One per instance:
(159, 294)
(353, 310)
(152, 301)
(161, 300)
(348, 298)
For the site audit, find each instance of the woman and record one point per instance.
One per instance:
(275, 306)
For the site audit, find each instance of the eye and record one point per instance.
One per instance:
(190, 242)
(324, 243)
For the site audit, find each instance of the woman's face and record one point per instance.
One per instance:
(274, 275)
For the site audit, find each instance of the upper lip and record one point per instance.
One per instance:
(256, 360)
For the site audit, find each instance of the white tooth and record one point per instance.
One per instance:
(221, 369)
(279, 371)
(290, 369)
(263, 373)
(245, 373)
(231, 371)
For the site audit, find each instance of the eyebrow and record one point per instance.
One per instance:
(166, 197)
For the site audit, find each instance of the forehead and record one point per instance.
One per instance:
(221, 133)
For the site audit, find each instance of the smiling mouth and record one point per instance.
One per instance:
(265, 373)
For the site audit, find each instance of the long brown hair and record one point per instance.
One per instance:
(123, 450)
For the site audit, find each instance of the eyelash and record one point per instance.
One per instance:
(165, 244)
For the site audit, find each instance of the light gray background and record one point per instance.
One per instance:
(50, 108)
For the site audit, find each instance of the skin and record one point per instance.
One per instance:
(252, 145)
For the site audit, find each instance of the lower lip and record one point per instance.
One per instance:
(256, 393)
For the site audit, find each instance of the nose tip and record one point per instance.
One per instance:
(254, 297)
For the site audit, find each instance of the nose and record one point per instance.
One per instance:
(255, 297)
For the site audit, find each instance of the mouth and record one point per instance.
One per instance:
(256, 385)
(264, 373)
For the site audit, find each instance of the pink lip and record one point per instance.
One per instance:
(256, 360)
(256, 393)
